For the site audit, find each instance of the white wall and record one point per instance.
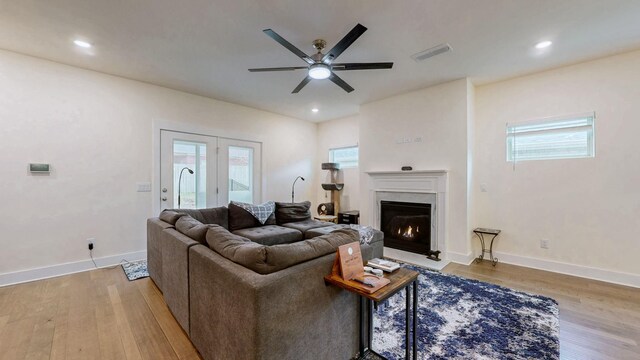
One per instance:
(96, 131)
(589, 209)
(439, 115)
(335, 134)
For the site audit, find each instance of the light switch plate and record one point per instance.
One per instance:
(144, 187)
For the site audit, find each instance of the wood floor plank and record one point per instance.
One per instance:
(126, 335)
(153, 344)
(178, 339)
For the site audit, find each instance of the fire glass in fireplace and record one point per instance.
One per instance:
(406, 226)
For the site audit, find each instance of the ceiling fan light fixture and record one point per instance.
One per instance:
(319, 71)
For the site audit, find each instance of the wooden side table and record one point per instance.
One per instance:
(480, 232)
(400, 279)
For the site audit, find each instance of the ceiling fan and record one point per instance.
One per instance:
(321, 66)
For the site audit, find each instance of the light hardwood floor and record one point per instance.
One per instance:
(101, 315)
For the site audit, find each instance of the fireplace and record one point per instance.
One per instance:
(406, 226)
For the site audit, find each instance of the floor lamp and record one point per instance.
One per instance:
(180, 182)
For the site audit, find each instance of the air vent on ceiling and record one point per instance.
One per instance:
(436, 50)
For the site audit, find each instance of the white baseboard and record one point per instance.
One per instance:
(464, 259)
(67, 268)
(610, 276)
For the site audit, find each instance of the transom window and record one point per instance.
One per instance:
(346, 156)
(557, 138)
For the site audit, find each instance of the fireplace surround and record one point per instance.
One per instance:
(417, 187)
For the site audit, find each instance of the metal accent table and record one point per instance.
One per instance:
(480, 232)
(400, 279)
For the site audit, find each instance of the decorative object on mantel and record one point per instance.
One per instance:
(480, 232)
(407, 168)
(333, 186)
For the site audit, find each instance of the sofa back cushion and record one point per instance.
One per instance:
(292, 212)
(192, 228)
(268, 259)
(170, 216)
(217, 215)
(240, 218)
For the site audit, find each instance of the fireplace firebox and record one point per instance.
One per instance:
(406, 226)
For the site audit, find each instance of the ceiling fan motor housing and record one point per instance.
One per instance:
(319, 44)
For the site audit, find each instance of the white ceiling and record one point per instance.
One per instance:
(205, 47)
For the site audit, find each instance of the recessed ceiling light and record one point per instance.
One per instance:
(82, 44)
(543, 44)
(315, 110)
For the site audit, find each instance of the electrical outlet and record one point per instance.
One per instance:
(544, 243)
(91, 243)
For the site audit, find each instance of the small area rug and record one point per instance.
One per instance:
(467, 319)
(135, 269)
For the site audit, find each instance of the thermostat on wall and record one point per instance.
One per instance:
(39, 168)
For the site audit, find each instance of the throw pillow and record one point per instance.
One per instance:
(292, 212)
(260, 212)
(239, 218)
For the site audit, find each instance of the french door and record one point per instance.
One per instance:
(201, 171)
(239, 171)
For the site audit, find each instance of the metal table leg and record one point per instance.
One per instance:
(407, 312)
(362, 330)
(415, 319)
(370, 323)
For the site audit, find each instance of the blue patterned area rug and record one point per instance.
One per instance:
(467, 319)
(135, 269)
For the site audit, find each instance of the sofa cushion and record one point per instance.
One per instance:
(170, 216)
(261, 212)
(292, 212)
(235, 248)
(268, 259)
(311, 233)
(217, 215)
(270, 234)
(240, 218)
(192, 228)
(305, 225)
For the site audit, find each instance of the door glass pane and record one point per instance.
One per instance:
(241, 174)
(190, 192)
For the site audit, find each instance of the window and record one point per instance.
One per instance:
(347, 156)
(559, 138)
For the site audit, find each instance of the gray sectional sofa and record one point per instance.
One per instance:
(245, 290)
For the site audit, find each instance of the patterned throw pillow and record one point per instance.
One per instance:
(260, 212)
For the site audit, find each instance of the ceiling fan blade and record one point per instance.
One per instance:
(361, 66)
(290, 68)
(272, 34)
(302, 84)
(338, 81)
(346, 41)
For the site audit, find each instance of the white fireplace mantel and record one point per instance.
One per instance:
(415, 184)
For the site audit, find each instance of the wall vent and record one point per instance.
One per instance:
(436, 50)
